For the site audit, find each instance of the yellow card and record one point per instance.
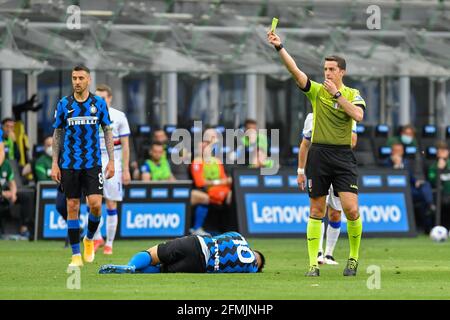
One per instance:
(274, 24)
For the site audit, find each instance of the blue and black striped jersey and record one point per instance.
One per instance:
(81, 121)
(229, 253)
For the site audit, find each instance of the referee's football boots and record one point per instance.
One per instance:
(351, 267)
(313, 272)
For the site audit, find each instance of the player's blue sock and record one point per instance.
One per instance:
(151, 269)
(141, 260)
(111, 212)
(93, 223)
(73, 227)
(200, 215)
(335, 225)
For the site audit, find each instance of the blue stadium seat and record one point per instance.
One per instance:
(429, 130)
(169, 128)
(384, 152)
(365, 159)
(428, 136)
(411, 152)
(427, 142)
(447, 135)
(381, 133)
(144, 130)
(364, 150)
(382, 130)
(38, 150)
(365, 143)
(141, 141)
(431, 152)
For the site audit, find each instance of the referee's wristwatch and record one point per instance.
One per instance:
(337, 95)
(278, 48)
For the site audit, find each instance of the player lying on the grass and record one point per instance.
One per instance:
(225, 253)
(334, 206)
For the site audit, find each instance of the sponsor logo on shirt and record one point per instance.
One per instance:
(77, 121)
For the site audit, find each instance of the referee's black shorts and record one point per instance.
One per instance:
(182, 255)
(330, 164)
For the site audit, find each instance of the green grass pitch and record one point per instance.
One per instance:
(413, 268)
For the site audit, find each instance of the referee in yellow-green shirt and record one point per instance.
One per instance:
(330, 158)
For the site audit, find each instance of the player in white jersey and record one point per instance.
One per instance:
(334, 207)
(112, 188)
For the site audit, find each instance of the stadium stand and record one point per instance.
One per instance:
(364, 151)
(427, 141)
(381, 133)
(142, 140)
(447, 134)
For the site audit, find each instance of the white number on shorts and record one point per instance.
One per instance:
(100, 178)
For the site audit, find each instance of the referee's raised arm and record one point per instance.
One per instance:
(299, 76)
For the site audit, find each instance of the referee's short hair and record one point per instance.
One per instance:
(103, 88)
(81, 67)
(340, 61)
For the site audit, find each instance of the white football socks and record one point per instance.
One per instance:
(111, 227)
(322, 231)
(332, 238)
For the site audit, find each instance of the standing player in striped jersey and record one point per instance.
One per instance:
(334, 206)
(78, 118)
(112, 189)
(226, 253)
(335, 107)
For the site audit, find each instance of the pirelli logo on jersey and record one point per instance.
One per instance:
(80, 121)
